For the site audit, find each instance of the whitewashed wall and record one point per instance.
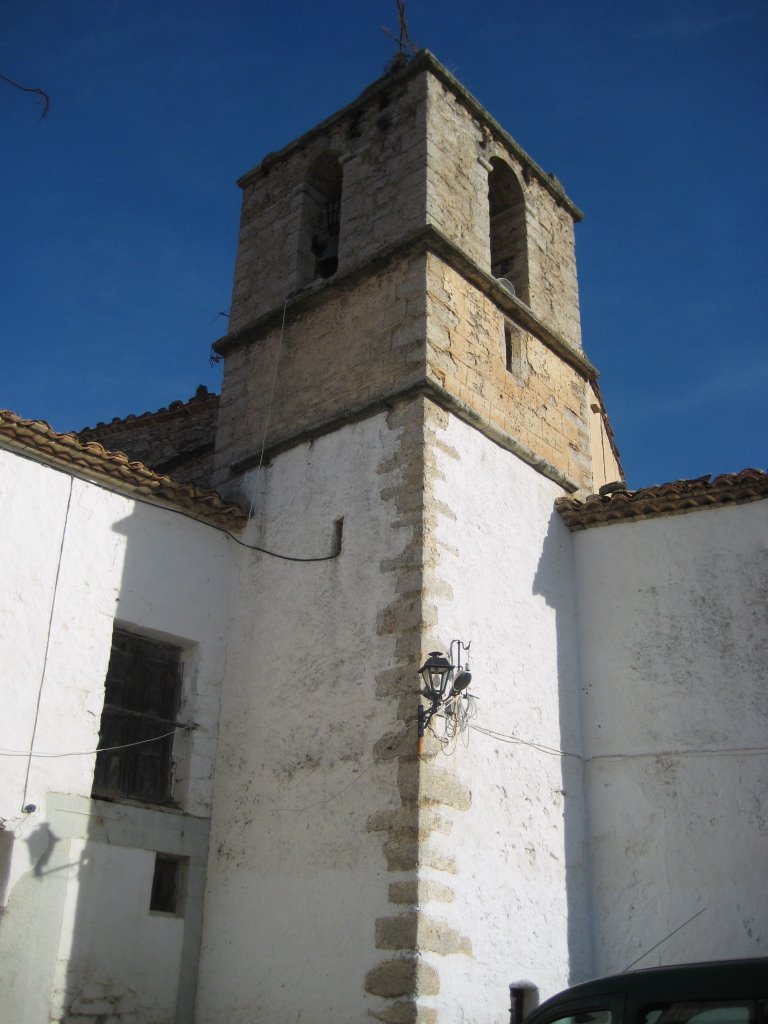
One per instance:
(295, 879)
(504, 582)
(674, 651)
(76, 558)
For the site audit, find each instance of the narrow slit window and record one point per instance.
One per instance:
(514, 357)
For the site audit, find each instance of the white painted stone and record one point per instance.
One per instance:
(295, 880)
(672, 618)
(77, 558)
(519, 884)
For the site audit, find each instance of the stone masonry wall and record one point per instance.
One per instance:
(381, 145)
(460, 148)
(177, 440)
(421, 876)
(457, 183)
(541, 402)
(344, 352)
(553, 287)
(416, 151)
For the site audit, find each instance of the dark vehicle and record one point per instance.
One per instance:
(722, 992)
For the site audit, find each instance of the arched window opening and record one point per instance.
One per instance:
(506, 207)
(322, 218)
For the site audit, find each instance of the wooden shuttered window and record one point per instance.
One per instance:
(141, 703)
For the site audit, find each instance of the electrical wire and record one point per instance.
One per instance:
(98, 750)
(103, 485)
(273, 554)
(662, 941)
(555, 752)
(269, 404)
(51, 612)
(276, 810)
(228, 533)
(455, 715)
(225, 531)
(516, 740)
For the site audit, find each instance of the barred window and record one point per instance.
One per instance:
(141, 703)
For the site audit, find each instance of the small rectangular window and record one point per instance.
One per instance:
(513, 350)
(167, 885)
(141, 704)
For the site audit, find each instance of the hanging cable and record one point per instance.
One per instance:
(555, 752)
(29, 753)
(98, 750)
(269, 404)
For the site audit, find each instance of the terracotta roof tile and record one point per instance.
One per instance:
(202, 399)
(664, 499)
(92, 461)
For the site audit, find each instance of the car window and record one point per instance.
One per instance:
(589, 1016)
(732, 1012)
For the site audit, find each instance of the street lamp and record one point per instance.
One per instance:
(444, 680)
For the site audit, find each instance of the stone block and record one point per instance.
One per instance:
(402, 977)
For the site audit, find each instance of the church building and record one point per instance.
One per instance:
(367, 690)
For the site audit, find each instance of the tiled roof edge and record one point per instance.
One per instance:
(664, 500)
(90, 460)
(198, 403)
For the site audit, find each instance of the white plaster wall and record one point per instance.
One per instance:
(77, 558)
(505, 564)
(143, 950)
(674, 651)
(295, 879)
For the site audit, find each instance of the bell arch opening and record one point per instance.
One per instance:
(321, 219)
(508, 235)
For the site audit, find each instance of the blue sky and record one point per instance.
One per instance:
(120, 211)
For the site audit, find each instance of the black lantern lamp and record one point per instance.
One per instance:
(436, 673)
(443, 680)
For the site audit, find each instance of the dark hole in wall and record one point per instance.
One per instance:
(167, 885)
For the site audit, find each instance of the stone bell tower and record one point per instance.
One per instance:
(404, 355)
(407, 245)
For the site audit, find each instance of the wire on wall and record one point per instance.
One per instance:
(98, 750)
(555, 752)
(269, 404)
(29, 753)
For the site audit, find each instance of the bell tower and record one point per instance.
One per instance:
(408, 245)
(404, 355)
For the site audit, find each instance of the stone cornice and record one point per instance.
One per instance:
(425, 239)
(429, 389)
